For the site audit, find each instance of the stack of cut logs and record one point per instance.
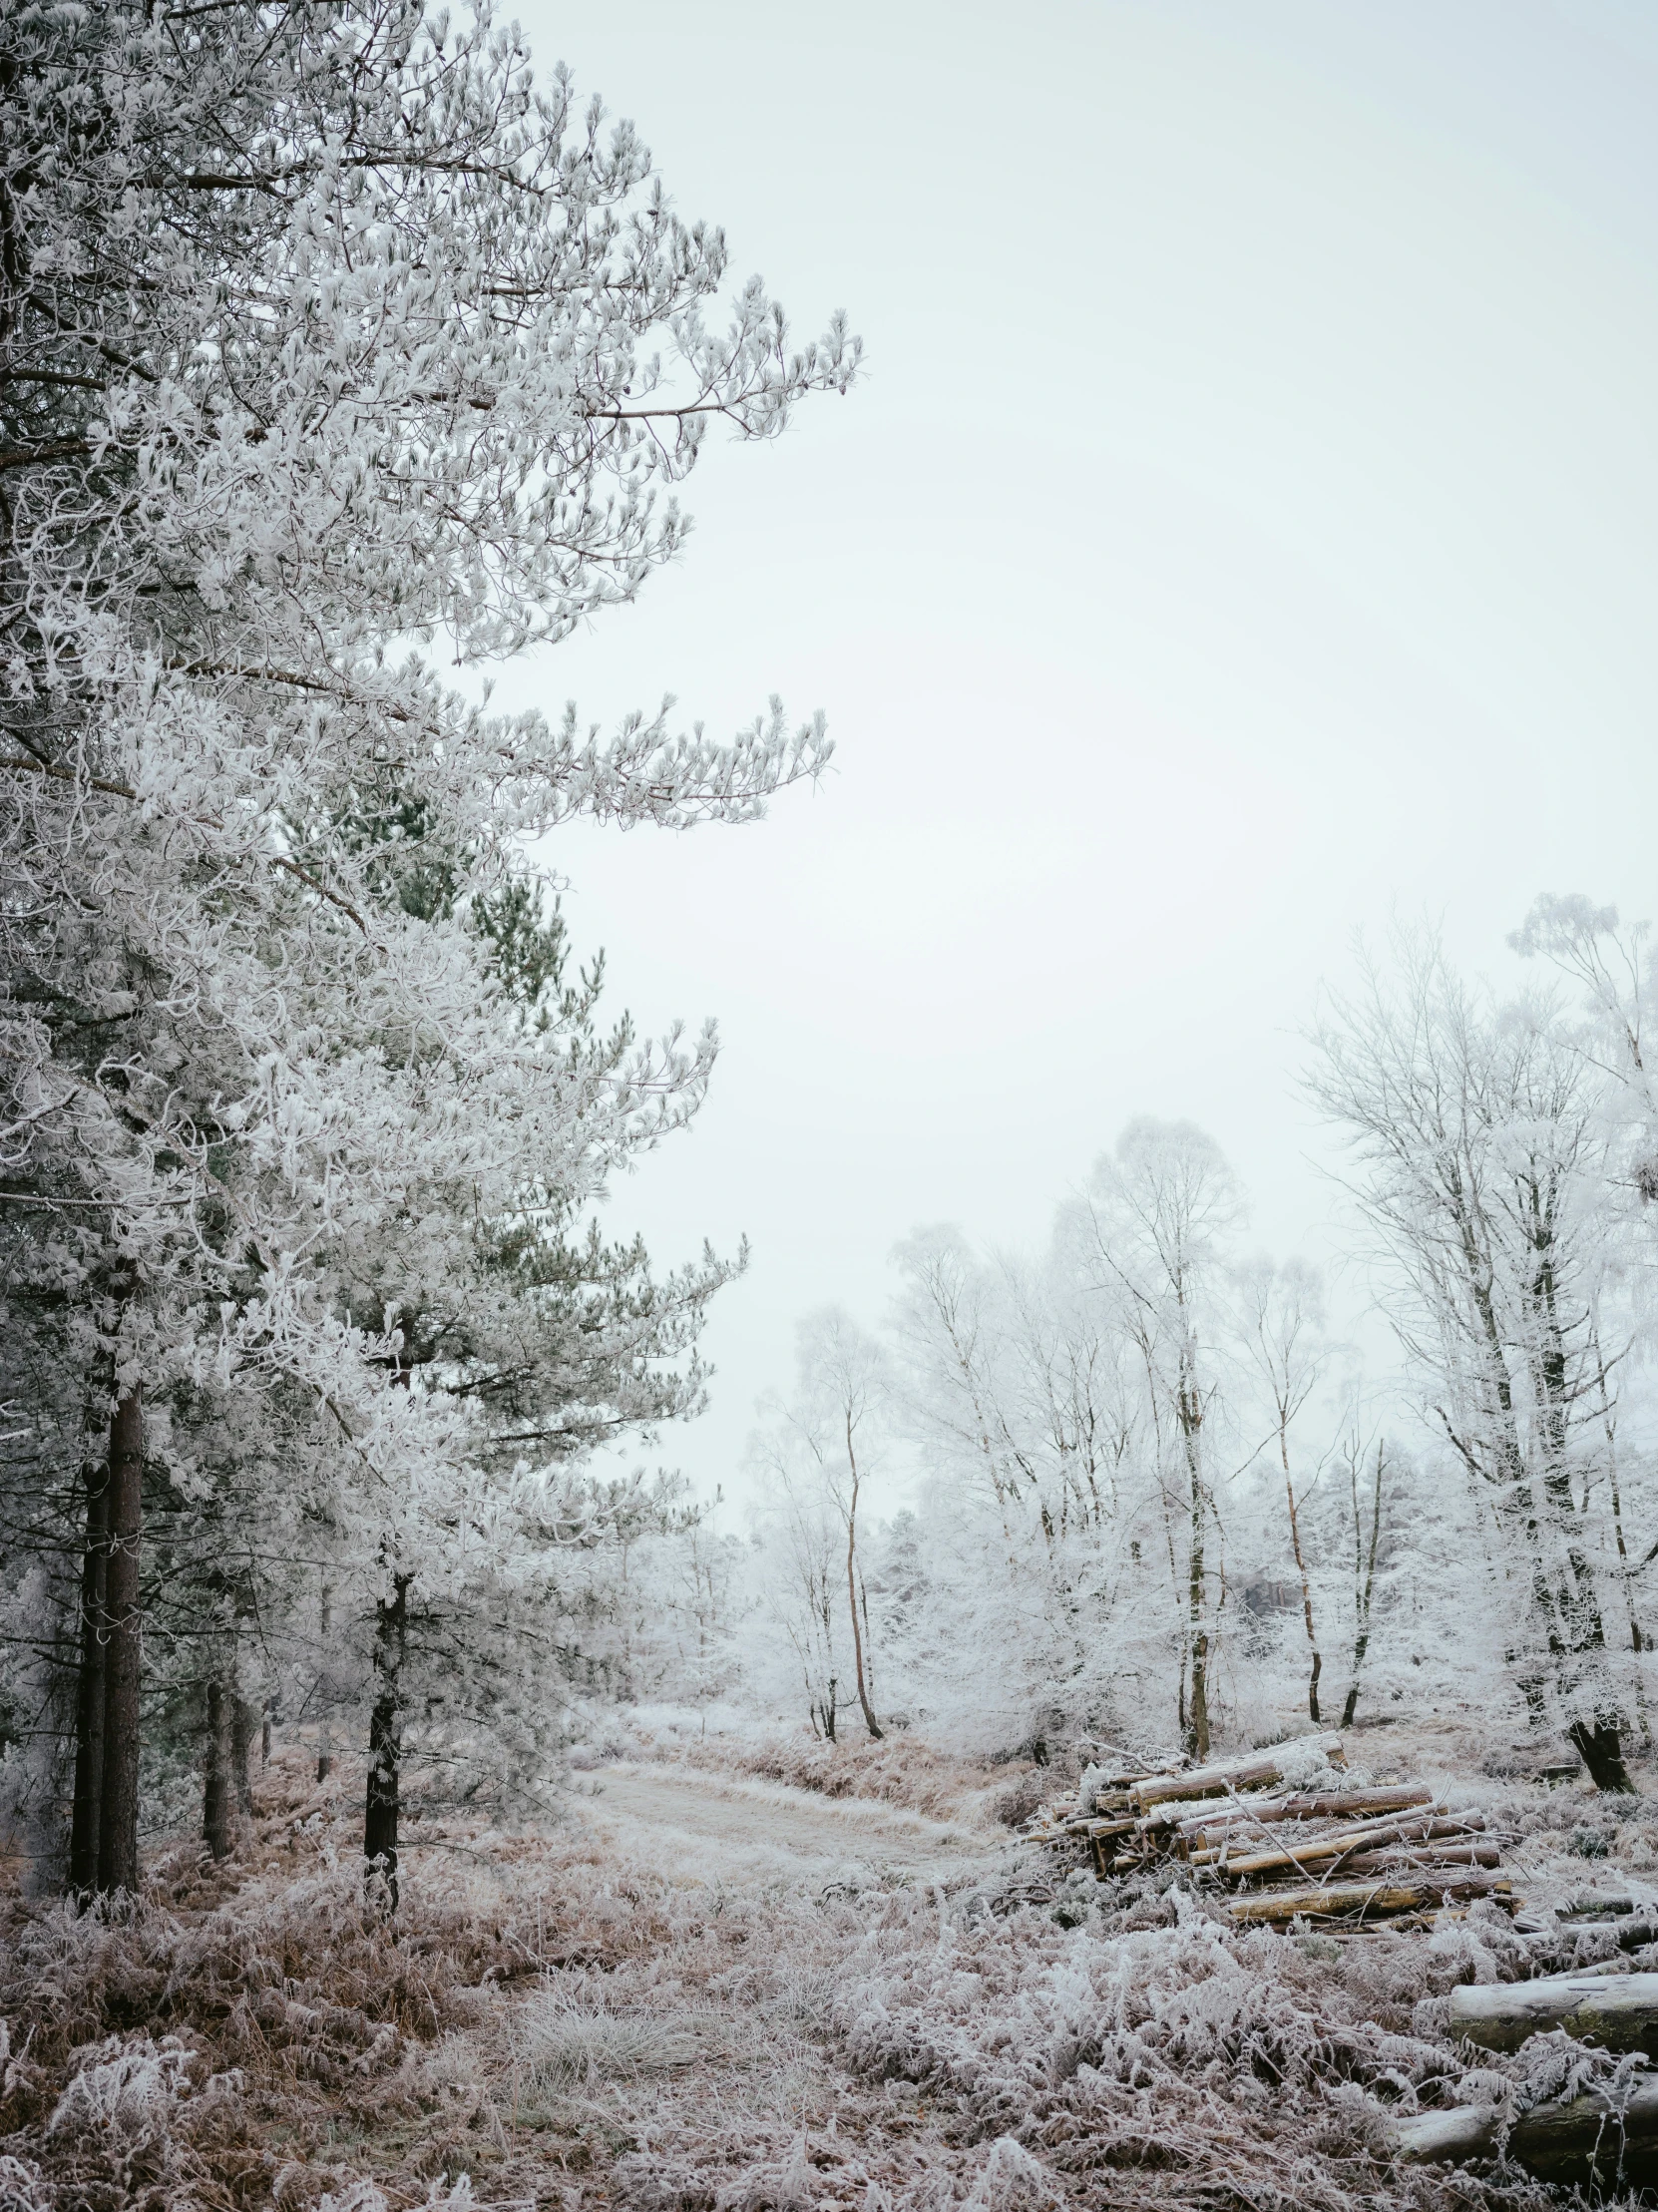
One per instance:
(1337, 1857)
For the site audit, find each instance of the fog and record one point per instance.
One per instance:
(1243, 532)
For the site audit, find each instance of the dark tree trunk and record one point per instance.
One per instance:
(1352, 1704)
(264, 1737)
(118, 1858)
(241, 1743)
(90, 1690)
(1197, 1733)
(385, 1740)
(1601, 1750)
(215, 1794)
(325, 1757)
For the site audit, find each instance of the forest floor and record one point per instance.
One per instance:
(734, 1829)
(744, 1978)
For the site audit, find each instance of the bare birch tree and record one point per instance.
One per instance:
(1480, 1162)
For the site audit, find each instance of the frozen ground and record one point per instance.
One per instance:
(753, 1979)
(695, 1826)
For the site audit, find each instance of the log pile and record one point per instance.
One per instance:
(1338, 1856)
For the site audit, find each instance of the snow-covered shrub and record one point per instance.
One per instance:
(22, 2187)
(125, 2089)
(563, 2037)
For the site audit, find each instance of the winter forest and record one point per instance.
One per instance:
(415, 1789)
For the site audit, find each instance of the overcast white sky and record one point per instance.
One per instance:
(1247, 525)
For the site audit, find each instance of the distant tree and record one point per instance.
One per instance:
(819, 1457)
(1279, 1316)
(1480, 1150)
(1154, 1221)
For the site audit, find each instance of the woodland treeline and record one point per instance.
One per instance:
(1170, 1485)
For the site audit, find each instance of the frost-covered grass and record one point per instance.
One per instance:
(580, 2027)
(900, 1769)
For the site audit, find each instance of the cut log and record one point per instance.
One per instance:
(1628, 1934)
(1368, 1900)
(1618, 2012)
(1579, 2139)
(1206, 1829)
(1338, 1843)
(1244, 1854)
(1404, 1860)
(1259, 1771)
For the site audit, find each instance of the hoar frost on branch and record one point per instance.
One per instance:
(330, 345)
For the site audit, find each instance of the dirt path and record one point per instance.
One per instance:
(716, 1828)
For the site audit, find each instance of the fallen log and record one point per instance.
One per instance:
(1628, 1934)
(1338, 1843)
(1403, 1861)
(1205, 1830)
(1578, 2139)
(1258, 1771)
(1373, 1900)
(1617, 2010)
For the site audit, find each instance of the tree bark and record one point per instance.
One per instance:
(90, 1690)
(1364, 1581)
(1190, 1413)
(242, 1744)
(118, 1858)
(1584, 2139)
(1305, 1582)
(215, 1791)
(1206, 1830)
(1601, 1750)
(1258, 1770)
(326, 1754)
(1361, 1836)
(1376, 1899)
(385, 1740)
(1618, 2012)
(870, 1721)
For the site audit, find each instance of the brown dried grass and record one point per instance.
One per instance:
(543, 2024)
(895, 1770)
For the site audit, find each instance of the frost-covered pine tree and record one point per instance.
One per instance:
(330, 345)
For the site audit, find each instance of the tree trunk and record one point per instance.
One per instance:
(118, 1858)
(326, 1754)
(870, 1721)
(1197, 1587)
(1305, 1582)
(1601, 1750)
(385, 1740)
(1199, 1732)
(216, 1793)
(1363, 1580)
(264, 1737)
(241, 1743)
(90, 1690)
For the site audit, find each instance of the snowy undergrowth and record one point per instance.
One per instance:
(899, 1770)
(580, 2028)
